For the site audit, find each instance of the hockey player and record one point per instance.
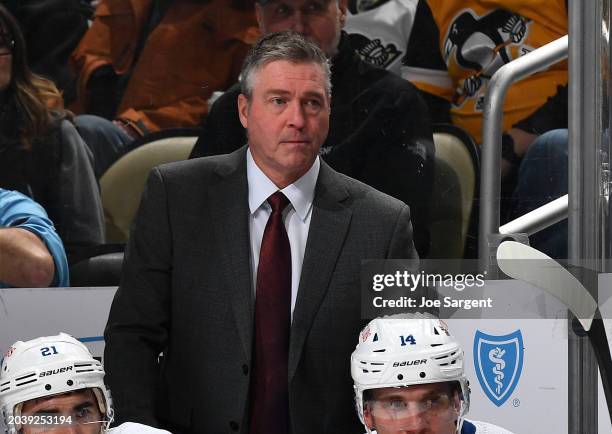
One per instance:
(52, 384)
(409, 379)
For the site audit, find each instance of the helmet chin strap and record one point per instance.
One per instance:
(111, 417)
(362, 417)
(462, 412)
(368, 430)
(17, 413)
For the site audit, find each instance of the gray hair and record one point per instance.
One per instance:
(287, 45)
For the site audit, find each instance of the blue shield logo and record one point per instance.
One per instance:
(498, 361)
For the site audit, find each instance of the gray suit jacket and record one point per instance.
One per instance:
(186, 290)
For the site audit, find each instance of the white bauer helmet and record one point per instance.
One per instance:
(405, 352)
(47, 366)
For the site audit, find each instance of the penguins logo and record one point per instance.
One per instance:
(358, 6)
(481, 44)
(374, 51)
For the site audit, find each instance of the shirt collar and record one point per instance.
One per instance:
(300, 193)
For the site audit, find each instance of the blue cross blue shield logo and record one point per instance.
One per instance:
(498, 361)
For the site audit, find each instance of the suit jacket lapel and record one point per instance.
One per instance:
(328, 227)
(229, 215)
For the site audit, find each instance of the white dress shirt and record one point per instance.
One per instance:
(296, 216)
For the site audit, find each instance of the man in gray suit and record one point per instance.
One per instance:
(255, 305)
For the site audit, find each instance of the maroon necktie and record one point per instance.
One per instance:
(269, 383)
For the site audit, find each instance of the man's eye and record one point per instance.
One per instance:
(315, 7)
(436, 402)
(277, 101)
(313, 107)
(83, 414)
(395, 405)
(282, 10)
(428, 403)
(313, 103)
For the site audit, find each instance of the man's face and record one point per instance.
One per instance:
(318, 20)
(287, 118)
(419, 409)
(74, 412)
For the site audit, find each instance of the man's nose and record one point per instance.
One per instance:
(416, 424)
(296, 117)
(66, 429)
(299, 23)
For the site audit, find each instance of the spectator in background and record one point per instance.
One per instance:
(380, 132)
(455, 48)
(146, 65)
(52, 29)
(380, 30)
(31, 252)
(41, 153)
(453, 52)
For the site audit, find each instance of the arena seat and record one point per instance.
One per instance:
(455, 186)
(122, 184)
(101, 268)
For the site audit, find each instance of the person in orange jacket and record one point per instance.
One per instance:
(147, 65)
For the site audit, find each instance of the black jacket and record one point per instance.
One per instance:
(380, 134)
(57, 173)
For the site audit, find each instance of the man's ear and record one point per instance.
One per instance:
(343, 6)
(243, 109)
(456, 401)
(368, 419)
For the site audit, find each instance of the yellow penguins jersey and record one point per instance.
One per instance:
(457, 45)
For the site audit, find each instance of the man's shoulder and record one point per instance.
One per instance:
(383, 80)
(202, 169)
(393, 85)
(378, 87)
(361, 195)
(136, 428)
(478, 427)
(228, 98)
(16, 206)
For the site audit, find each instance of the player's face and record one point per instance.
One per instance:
(74, 412)
(319, 20)
(419, 409)
(287, 118)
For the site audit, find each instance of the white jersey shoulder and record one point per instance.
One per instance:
(487, 428)
(136, 428)
(380, 33)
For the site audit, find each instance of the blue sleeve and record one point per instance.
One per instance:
(468, 428)
(19, 211)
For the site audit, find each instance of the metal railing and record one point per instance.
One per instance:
(490, 180)
(538, 219)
